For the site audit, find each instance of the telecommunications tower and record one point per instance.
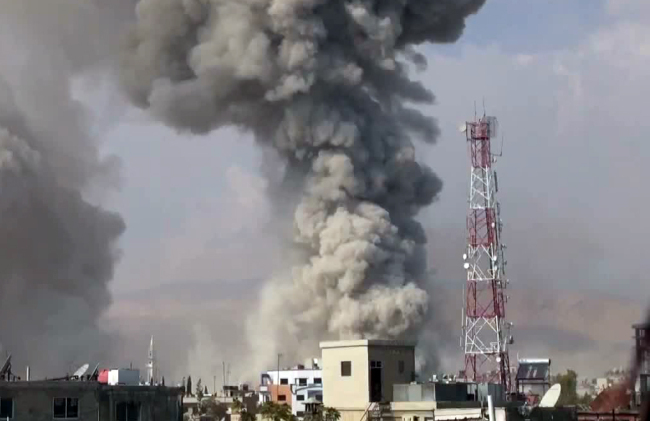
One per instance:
(485, 332)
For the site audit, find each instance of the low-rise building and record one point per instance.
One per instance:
(293, 386)
(374, 379)
(87, 401)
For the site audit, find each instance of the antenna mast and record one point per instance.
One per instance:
(485, 332)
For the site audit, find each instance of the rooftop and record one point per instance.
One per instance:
(366, 343)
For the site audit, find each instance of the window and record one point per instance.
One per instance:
(400, 367)
(375, 364)
(65, 408)
(284, 381)
(127, 411)
(300, 414)
(6, 408)
(300, 397)
(282, 398)
(302, 382)
(346, 368)
(319, 398)
(318, 380)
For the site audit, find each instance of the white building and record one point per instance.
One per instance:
(293, 386)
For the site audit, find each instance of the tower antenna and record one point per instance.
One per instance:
(485, 333)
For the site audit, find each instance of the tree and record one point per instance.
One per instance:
(569, 384)
(213, 408)
(188, 387)
(237, 406)
(585, 400)
(274, 412)
(330, 414)
(199, 392)
(324, 413)
(162, 381)
(205, 390)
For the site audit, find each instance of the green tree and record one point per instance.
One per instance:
(199, 392)
(238, 407)
(585, 400)
(324, 413)
(188, 387)
(569, 383)
(330, 414)
(214, 408)
(274, 412)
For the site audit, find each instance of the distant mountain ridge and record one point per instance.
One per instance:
(587, 331)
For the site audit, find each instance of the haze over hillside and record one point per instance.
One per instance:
(204, 322)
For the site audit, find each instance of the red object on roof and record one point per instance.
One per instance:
(103, 376)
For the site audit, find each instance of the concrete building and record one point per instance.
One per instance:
(359, 372)
(373, 380)
(226, 397)
(293, 386)
(87, 401)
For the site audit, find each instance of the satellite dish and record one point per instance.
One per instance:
(81, 370)
(465, 256)
(466, 265)
(551, 397)
(462, 128)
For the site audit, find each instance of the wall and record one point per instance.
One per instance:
(33, 401)
(271, 391)
(343, 393)
(306, 392)
(390, 357)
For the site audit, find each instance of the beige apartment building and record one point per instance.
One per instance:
(359, 375)
(373, 380)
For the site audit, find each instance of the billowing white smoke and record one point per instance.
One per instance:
(57, 249)
(325, 84)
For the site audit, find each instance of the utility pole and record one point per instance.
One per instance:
(214, 384)
(278, 378)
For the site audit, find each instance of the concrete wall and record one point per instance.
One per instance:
(33, 401)
(346, 392)
(390, 356)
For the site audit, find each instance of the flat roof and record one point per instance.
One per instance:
(366, 343)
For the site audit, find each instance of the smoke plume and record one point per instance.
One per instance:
(326, 85)
(57, 250)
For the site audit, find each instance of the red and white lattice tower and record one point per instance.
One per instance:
(486, 334)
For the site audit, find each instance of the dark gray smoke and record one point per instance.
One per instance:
(326, 85)
(57, 249)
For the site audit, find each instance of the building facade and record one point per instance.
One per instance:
(642, 350)
(292, 387)
(87, 401)
(358, 373)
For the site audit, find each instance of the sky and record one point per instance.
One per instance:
(567, 83)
